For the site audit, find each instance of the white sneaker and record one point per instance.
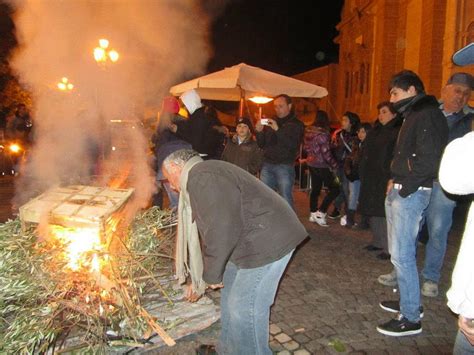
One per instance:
(320, 218)
(343, 220)
(312, 217)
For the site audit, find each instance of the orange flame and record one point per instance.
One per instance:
(79, 243)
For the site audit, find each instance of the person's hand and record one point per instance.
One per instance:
(467, 328)
(273, 124)
(302, 161)
(258, 126)
(173, 128)
(216, 286)
(389, 186)
(191, 296)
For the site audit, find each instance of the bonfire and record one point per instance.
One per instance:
(82, 284)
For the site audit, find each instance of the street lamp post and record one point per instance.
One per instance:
(103, 54)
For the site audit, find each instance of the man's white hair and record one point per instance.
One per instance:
(179, 158)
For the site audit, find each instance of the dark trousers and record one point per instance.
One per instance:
(320, 176)
(378, 226)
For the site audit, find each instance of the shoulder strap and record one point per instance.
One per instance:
(345, 143)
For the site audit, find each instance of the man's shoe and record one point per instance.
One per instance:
(388, 279)
(394, 307)
(400, 327)
(429, 289)
(205, 349)
(372, 247)
(383, 256)
(335, 214)
(312, 217)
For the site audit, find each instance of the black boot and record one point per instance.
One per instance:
(363, 224)
(350, 218)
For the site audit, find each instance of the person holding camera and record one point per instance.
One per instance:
(280, 138)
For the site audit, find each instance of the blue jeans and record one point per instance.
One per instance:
(403, 224)
(343, 191)
(462, 345)
(439, 218)
(279, 177)
(353, 199)
(245, 307)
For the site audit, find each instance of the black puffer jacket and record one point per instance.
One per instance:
(198, 131)
(239, 219)
(374, 168)
(281, 146)
(420, 144)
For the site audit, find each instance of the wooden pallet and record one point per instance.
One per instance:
(75, 206)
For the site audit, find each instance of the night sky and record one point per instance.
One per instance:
(284, 36)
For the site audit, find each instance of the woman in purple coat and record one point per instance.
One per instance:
(321, 164)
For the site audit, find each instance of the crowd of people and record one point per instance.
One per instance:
(381, 176)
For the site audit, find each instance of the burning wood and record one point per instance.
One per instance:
(85, 283)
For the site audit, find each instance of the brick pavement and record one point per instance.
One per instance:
(328, 300)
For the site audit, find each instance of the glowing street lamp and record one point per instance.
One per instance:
(64, 85)
(260, 100)
(102, 53)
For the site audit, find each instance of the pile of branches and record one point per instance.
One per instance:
(43, 304)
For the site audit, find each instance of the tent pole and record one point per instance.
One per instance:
(242, 102)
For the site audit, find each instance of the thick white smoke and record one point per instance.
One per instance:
(159, 43)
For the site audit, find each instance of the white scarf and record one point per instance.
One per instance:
(188, 236)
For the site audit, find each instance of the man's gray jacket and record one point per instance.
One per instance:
(239, 219)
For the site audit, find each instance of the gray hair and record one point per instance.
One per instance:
(179, 157)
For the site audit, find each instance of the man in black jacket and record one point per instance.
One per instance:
(201, 129)
(248, 234)
(420, 144)
(280, 140)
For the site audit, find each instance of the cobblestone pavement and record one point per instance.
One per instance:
(328, 300)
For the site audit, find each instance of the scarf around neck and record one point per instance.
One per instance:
(187, 240)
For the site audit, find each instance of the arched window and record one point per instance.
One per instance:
(367, 81)
(355, 82)
(362, 78)
(346, 86)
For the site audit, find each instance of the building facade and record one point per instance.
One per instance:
(378, 38)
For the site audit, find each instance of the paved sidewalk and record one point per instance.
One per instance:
(328, 300)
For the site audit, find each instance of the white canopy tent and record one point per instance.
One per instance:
(243, 81)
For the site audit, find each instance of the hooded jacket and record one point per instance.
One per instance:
(281, 146)
(246, 155)
(420, 144)
(317, 144)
